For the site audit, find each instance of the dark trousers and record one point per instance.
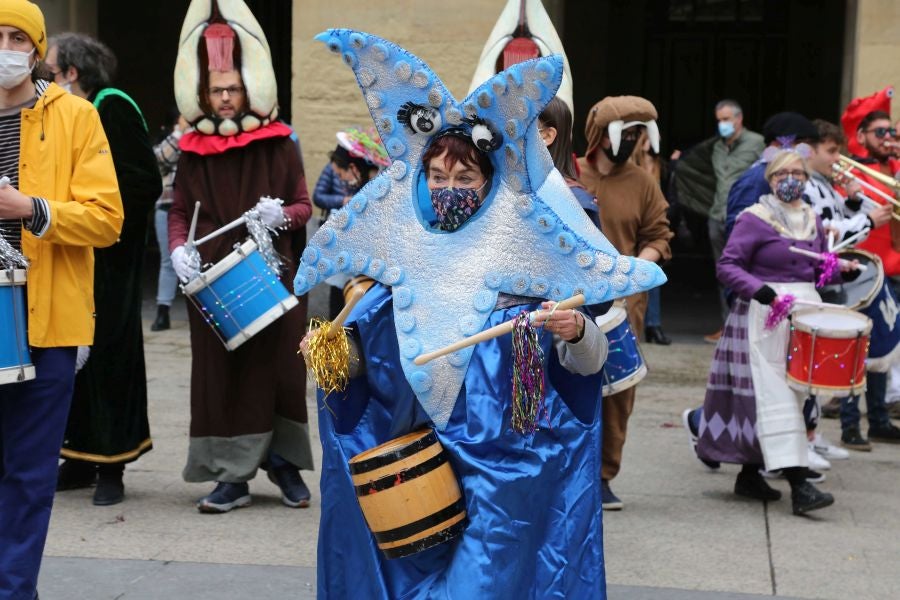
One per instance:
(877, 413)
(33, 418)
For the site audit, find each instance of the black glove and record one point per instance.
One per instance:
(765, 295)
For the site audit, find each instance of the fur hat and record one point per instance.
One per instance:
(28, 17)
(617, 113)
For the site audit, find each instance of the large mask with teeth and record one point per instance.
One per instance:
(617, 113)
(227, 36)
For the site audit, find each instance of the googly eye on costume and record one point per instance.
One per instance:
(423, 120)
(485, 136)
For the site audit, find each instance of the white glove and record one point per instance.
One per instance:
(270, 212)
(81, 357)
(185, 265)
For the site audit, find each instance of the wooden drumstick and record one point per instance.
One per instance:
(850, 240)
(338, 323)
(193, 229)
(818, 256)
(236, 223)
(495, 331)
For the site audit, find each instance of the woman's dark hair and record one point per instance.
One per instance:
(459, 149)
(342, 158)
(558, 116)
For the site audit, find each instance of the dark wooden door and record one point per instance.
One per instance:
(685, 55)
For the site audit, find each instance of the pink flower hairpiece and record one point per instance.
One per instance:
(803, 151)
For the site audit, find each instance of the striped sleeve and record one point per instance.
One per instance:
(40, 220)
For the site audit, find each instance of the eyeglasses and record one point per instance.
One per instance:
(796, 174)
(234, 90)
(880, 132)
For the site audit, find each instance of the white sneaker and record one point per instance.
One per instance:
(825, 448)
(816, 462)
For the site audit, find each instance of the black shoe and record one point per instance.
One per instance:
(224, 498)
(75, 474)
(852, 439)
(806, 497)
(655, 335)
(752, 485)
(294, 492)
(609, 501)
(887, 434)
(110, 489)
(162, 318)
(808, 475)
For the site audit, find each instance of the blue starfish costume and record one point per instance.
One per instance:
(532, 501)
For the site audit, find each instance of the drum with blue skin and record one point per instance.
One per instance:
(624, 366)
(15, 359)
(240, 295)
(871, 295)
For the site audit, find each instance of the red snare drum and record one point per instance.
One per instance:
(827, 351)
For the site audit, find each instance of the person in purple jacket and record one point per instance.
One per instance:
(750, 416)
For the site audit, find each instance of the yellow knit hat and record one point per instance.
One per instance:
(26, 16)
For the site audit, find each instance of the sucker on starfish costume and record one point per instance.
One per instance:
(529, 238)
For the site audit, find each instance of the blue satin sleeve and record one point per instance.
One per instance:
(532, 501)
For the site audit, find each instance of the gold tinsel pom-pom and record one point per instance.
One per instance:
(328, 357)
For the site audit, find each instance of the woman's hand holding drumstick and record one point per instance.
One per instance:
(845, 265)
(560, 316)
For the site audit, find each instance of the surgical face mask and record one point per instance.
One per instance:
(789, 189)
(455, 206)
(14, 68)
(726, 129)
(626, 147)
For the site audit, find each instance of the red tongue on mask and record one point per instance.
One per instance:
(220, 47)
(519, 50)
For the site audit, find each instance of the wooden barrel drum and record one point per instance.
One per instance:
(409, 494)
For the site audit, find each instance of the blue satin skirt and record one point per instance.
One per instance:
(533, 501)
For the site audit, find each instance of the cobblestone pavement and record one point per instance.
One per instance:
(682, 531)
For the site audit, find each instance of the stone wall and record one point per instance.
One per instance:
(447, 35)
(875, 47)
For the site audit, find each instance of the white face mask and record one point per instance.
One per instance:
(14, 68)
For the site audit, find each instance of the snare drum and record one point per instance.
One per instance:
(827, 351)
(871, 295)
(15, 360)
(408, 494)
(240, 295)
(624, 366)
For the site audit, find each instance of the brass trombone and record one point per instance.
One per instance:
(843, 170)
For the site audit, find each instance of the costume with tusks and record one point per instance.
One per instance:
(249, 401)
(108, 420)
(522, 20)
(633, 216)
(532, 501)
(256, 67)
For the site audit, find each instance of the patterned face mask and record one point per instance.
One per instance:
(789, 189)
(455, 206)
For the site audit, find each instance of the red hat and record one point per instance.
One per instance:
(857, 110)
